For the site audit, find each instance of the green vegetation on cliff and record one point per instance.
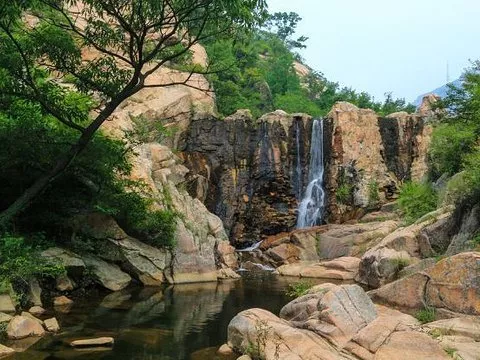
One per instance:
(259, 73)
(455, 147)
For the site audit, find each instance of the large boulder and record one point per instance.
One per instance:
(227, 255)
(108, 275)
(73, 263)
(264, 335)
(21, 327)
(333, 322)
(334, 312)
(144, 262)
(403, 247)
(452, 284)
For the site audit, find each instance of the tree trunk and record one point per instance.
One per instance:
(63, 162)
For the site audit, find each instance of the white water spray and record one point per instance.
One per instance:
(311, 209)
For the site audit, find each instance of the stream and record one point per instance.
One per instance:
(177, 322)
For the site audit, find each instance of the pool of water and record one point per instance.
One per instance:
(178, 322)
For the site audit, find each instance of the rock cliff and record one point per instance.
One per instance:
(252, 174)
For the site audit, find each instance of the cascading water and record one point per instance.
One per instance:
(311, 209)
(298, 165)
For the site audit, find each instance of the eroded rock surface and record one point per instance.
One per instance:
(452, 284)
(333, 322)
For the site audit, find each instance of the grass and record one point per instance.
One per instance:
(426, 315)
(298, 289)
(450, 351)
(399, 264)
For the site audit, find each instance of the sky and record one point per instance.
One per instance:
(378, 46)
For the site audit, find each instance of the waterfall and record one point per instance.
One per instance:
(311, 209)
(298, 165)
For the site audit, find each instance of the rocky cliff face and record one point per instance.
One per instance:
(371, 157)
(246, 171)
(253, 174)
(199, 233)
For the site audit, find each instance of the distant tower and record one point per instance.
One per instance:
(448, 73)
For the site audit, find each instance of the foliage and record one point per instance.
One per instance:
(451, 143)
(373, 195)
(3, 331)
(299, 289)
(416, 200)
(263, 332)
(426, 315)
(20, 261)
(284, 24)
(455, 140)
(450, 351)
(344, 193)
(133, 40)
(399, 264)
(476, 241)
(258, 73)
(94, 181)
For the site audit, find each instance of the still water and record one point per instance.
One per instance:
(178, 322)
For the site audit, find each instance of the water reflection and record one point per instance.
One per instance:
(178, 322)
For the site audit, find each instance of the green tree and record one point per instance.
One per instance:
(133, 39)
(284, 25)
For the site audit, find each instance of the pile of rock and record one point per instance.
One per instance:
(26, 325)
(341, 322)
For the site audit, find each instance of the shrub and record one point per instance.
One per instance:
(20, 261)
(426, 315)
(416, 200)
(344, 193)
(298, 289)
(373, 195)
(450, 144)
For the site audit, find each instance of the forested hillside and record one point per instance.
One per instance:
(259, 73)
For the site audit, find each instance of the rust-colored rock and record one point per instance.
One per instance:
(455, 283)
(451, 284)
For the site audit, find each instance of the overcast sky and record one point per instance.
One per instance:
(401, 46)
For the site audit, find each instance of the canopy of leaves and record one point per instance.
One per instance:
(258, 73)
(96, 180)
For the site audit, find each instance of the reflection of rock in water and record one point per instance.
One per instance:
(116, 300)
(146, 310)
(193, 305)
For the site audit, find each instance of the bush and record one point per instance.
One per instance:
(426, 315)
(344, 193)
(416, 200)
(449, 147)
(20, 261)
(373, 195)
(298, 289)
